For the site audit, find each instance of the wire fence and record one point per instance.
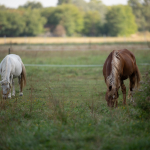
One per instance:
(73, 66)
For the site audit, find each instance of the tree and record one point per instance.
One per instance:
(59, 31)
(34, 22)
(21, 22)
(93, 5)
(60, 2)
(67, 15)
(138, 12)
(32, 5)
(11, 23)
(92, 23)
(120, 21)
(2, 7)
(141, 10)
(81, 4)
(146, 13)
(97, 5)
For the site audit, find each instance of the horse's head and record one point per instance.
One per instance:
(5, 87)
(111, 95)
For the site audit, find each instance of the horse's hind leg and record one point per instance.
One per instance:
(116, 102)
(123, 89)
(13, 87)
(19, 80)
(131, 86)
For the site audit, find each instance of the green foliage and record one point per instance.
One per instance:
(32, 5)
(60, 2)
(141, 10)
(93, 5)
(81, 4)
(120, 21)
(12, 23)
(92, 23)
(97, 5)
(34, 23)
(66, 15)
(2, 7)
(21, 22)
(75, 18)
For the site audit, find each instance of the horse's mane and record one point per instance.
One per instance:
(4, 67)
(112, 79)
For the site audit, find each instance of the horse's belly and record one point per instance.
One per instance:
(124, 77)
(17, 69)
(17, 72)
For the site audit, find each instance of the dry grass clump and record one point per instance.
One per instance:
(50, 40)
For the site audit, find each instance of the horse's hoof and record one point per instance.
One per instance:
(9, 97)
(21, 94)
(13, 95)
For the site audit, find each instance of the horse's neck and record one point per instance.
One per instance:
(6, 70)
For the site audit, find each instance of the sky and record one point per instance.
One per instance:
(48, 3)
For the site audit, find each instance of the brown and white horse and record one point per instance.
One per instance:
(120, 65)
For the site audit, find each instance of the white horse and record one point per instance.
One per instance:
(10, 68)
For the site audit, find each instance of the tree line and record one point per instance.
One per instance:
(75, 18)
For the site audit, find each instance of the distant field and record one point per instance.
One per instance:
(53, 40)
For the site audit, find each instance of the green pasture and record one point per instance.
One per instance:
(65, 109)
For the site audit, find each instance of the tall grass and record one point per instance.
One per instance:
(143, 97)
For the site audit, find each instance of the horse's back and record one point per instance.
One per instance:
(12, 56)
(128, 62)
(127, 54)
(15, 57)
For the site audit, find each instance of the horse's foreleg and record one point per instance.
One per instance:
(13, 87)
(10, 84)
(123, 89)
(19, 80)
(116, 104)
(9, 95)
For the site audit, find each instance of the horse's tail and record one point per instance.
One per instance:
(138, 77)
(23, 76)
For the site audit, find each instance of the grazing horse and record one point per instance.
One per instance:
(120, 65)
(10, 68)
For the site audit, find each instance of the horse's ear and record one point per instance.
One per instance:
(110, 87)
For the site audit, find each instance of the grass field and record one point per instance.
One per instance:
(65, 108)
